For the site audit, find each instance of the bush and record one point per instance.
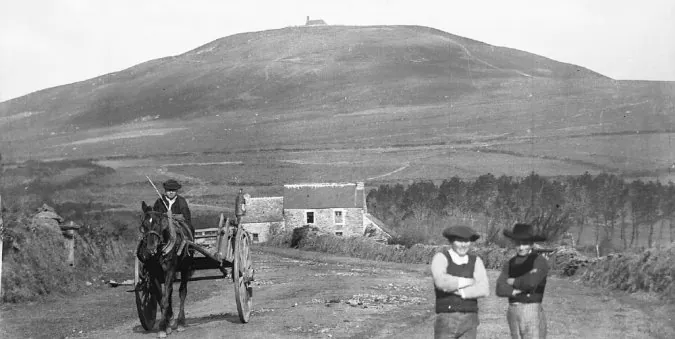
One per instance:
(34, 265)
(567, 261)
(35, 260)
(650, 271)
(493, 256)
(302, 233)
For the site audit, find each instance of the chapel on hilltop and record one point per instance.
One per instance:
(317, 22)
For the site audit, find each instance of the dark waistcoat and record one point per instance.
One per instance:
(450, 302)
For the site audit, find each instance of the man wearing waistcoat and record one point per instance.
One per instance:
(523, 281)
(459, 280)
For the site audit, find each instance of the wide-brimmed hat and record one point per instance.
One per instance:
(460, 232)
(523, 232)
(171, 185)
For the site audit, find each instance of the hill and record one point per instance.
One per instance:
(337, 87)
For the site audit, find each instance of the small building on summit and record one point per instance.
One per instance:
(337, 208)
(317, 22)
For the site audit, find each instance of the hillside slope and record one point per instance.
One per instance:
(294, 68)
(326, 86)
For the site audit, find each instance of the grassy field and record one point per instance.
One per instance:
(211, 180)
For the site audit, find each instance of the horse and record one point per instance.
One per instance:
(164, 252)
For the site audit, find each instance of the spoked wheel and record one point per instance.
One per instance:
(242, 274)
(146, 301)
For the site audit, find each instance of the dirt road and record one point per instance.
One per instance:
(304, 294)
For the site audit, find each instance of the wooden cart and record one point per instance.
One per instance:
(226, 248)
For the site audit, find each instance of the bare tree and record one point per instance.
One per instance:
(667, 208)
(644, 208)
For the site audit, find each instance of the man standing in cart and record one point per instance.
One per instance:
(175, 203)
(240, 206)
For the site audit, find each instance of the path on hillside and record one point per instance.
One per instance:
(305, 294)
(470, 55)
(390, 173)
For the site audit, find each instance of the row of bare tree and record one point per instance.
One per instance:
(606, 202)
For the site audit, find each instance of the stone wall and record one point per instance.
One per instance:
(324, 219)
(262, 229)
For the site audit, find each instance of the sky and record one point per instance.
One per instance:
(46, 43)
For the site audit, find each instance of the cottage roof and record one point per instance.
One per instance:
(263, 209)
(324, 195)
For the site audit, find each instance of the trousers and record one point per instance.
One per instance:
(526, 321)
(456, 325)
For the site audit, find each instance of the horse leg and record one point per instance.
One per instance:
(169, 314)
(164, 324)
(182, 291)
(163, 305)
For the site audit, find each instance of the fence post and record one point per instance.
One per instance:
(70, 245)
(68, 231)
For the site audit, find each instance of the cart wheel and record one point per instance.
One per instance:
(240, 273)
(146, 301)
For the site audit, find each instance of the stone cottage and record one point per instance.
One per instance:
(338, 208)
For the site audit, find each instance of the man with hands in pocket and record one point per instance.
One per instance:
(459, 280)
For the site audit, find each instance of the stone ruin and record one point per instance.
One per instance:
(47, 218)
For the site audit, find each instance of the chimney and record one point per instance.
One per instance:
(360, 193)
(307, 20)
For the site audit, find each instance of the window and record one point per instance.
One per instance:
(309, 217)
(338, 233)
(339, 217)
(255, 237)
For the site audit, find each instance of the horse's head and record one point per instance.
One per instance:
(156, 231)
(151, 228)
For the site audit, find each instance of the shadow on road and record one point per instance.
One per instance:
(230, 317)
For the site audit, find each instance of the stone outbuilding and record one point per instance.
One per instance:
(264, 215)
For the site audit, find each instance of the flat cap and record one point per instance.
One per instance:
(461, 232)
(172, 185)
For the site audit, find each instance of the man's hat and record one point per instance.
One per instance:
(461, 232)
(523, 232)
(171, 185)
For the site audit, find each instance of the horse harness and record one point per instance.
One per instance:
(181, 229)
